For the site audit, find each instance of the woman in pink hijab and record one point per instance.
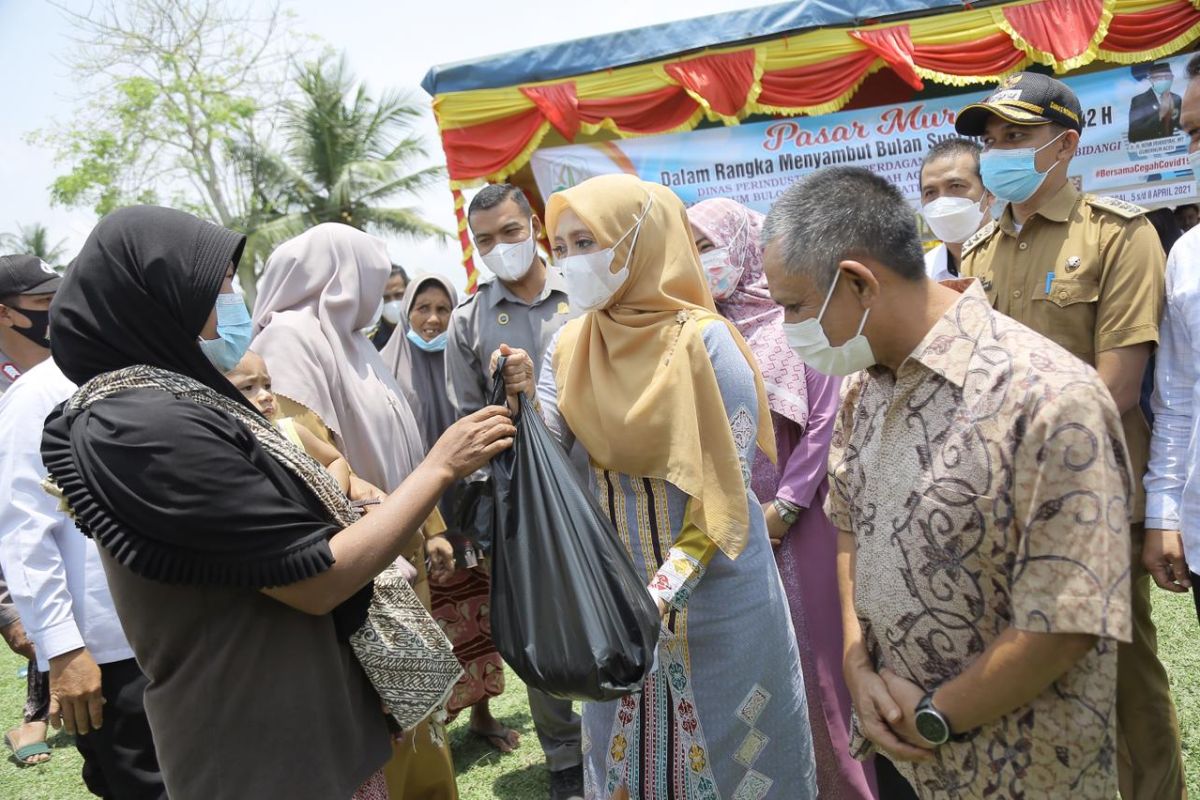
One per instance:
(803, 405)
(319, 291)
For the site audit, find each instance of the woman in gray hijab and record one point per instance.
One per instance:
(415, 353)
(461, 593)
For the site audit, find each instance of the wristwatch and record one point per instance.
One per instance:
(788, 512)
(931, 723)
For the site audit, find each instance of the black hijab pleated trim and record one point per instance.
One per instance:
(168, 563)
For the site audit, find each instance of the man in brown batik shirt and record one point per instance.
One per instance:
(979, 481)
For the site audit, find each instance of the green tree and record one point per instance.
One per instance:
(346, 158)
(171, 92)
(34, 240)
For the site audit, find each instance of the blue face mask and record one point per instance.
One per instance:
(1012, 175)
(436, 345)
(997, 210)
(233, 333)
(1162, 85)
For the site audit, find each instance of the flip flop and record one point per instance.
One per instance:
(498, 739)
(23, 754)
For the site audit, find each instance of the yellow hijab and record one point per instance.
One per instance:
(635, 382)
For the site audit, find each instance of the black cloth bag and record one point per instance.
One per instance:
(570, 614)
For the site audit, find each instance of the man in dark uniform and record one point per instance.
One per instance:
(1154, 114)
(1088, 273)
(393, 305)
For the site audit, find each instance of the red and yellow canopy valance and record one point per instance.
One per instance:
(489, 134)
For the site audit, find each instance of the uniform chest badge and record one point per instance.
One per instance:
(503, 318)
(986, 284)
(563, 308)
(1073, 263)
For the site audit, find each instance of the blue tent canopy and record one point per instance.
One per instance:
(594, 53)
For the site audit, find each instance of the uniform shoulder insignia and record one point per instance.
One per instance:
(1122, 208)
(980, 235)
(468, 299)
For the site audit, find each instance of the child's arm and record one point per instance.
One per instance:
(362, 490)
(339, 468)
(327, 454)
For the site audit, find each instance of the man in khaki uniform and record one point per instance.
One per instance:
(1086, 272)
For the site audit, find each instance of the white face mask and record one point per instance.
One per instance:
(591, 283)
(810, 343)
(953, 219)
(378, 315)
(511, 261)
(723, 277)
(392, 311)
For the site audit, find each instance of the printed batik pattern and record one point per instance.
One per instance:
(986, 485)
(657, 747)
(677, 577)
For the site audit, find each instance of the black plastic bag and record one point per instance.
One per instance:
(570, 614)
(473, 513)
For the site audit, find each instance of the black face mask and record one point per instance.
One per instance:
(39, 332)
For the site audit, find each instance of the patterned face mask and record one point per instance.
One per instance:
(723, 276)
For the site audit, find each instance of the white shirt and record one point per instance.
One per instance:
(1173, 481)
(8, 372)
(54, 571)
(937, 264)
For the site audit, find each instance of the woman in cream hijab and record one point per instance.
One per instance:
(664, 396)
(317, 293)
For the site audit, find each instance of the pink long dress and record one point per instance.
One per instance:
(807, 564)
(803, 405)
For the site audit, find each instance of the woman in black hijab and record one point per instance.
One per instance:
(236, 588)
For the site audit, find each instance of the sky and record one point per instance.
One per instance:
(388, 45)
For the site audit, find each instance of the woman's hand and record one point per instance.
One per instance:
(776, 527)
(518, 374)
(441, 557)
(473, 441)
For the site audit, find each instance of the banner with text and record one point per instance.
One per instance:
(1131, 146)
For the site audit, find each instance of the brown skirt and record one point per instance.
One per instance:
(462, 606)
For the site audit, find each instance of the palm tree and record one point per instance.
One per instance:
(346, 157)
(34, 240)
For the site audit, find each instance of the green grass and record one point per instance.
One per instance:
(484, 774)
(1179, 649)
